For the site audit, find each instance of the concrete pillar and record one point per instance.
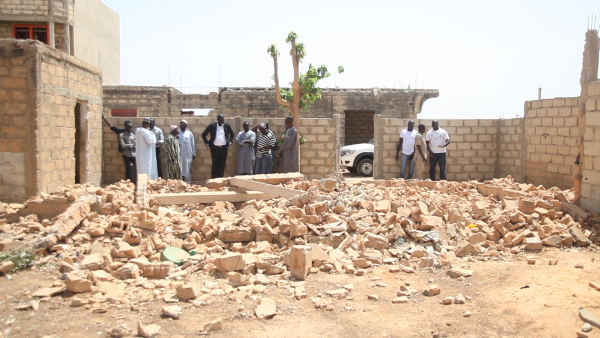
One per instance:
(378, 153)
(51, 39)
(337, 120)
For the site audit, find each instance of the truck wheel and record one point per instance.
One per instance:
(365, 167)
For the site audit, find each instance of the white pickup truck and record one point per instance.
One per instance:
(358, 158)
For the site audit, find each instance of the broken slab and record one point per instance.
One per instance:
(265, 188)
(209, 197)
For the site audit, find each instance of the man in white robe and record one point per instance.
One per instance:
(146, 151)
(188, 151)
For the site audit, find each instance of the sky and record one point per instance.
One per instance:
(485, 57)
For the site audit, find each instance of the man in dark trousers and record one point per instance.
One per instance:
(130, 169)
(221, 137)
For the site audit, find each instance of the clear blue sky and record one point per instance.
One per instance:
(494, 52)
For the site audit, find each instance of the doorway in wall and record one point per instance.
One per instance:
(81, 143)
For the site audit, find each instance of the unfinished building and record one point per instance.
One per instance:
(86, 29)
(356, 106)
(50, 125)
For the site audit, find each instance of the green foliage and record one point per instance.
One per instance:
(273, 51)
(309, 91)
(21, 258)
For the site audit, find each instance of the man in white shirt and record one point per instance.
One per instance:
(221, 136)
(187, 146)
(407, 144)
(437, 139)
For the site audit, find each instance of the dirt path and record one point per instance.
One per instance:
(508, 299)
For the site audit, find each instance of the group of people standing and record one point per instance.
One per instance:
(256, 152)
(419, 147)
(141, 150)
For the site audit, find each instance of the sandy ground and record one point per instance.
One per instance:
(509, 298)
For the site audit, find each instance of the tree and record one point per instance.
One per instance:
(304, 89)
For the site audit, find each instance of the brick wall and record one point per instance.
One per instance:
(552, 134)
(40, 87)
(28, 7)
(261, 102)
(358, 126)
(60, 38)
(590, 187)
(318, 155)
(6, 31)
(472, 153)
(64, 82)
(512, 142)
(17, 110)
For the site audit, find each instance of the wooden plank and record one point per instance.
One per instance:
(264, 187)
(209, 197)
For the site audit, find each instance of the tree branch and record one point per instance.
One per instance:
(296, 82)
(280, 99)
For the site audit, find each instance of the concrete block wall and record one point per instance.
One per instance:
(511, 154)
(318, 155)
(552, 132)
(358, 126)
(28, 7)
(65, 81)
(590, 186)
(38, 92)
(472, 153)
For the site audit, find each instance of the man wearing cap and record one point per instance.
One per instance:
(146, 151)
(188, 151)
(160, 139)
(221, 136)
(437, 139)
(245, 157)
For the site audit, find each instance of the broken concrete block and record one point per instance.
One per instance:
(301, 261)
(554, 241)
(237, 279)
(337, 293)
(460, 272)
(465, 250)
(376, 241)
(92, 262)
(267, 309)
(361, 263)
(213, 326)
(477, 238)
(297, 229)
(230, 262)
(534, 244)
(128, 271)
(383, 206)
(432, 290)
(526, 206)
(431, 222)
(233, 235)
(77, 283)
(148, 331)
(49, 292)
(6, 266)
(578, 236)
(454, 216)
(172, 311)
(188, 291)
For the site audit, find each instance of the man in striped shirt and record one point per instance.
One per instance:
(264, 149)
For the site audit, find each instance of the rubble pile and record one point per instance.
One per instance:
(112, 251)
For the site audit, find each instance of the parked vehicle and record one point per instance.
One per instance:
(358, 158)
